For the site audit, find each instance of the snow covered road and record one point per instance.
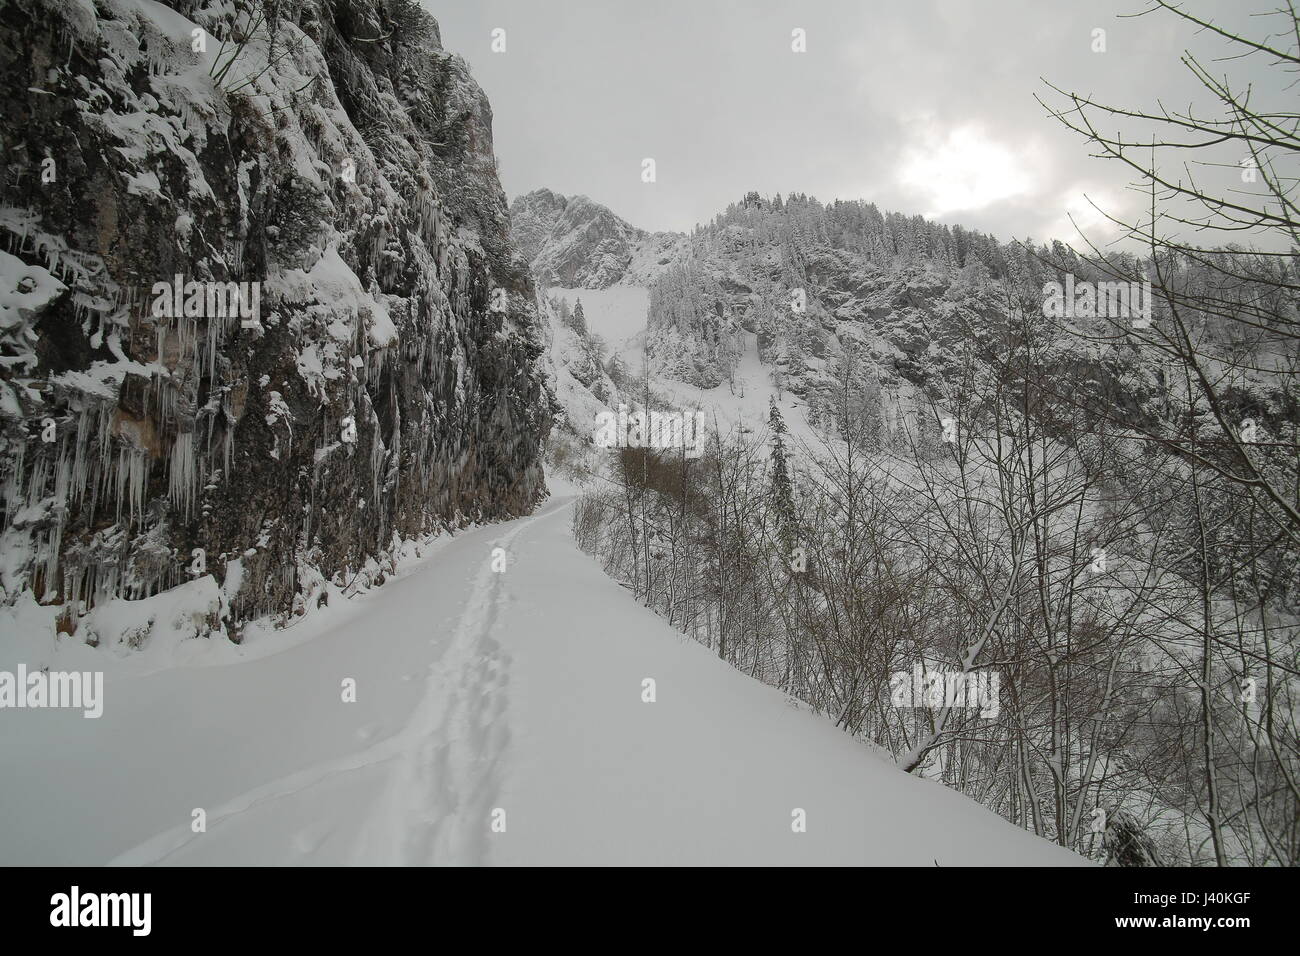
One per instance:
(499, 719)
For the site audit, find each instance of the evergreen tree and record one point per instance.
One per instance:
(782, 490)
(616, 370)
(562, 309)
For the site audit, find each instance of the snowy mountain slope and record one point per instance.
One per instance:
(477, 691)
(713, 309)
(573, 241)
(896, 304)
(617, 314)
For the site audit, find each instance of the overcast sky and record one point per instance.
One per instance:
(923, 106)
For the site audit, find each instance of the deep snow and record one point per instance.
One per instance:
(477, 691)
(617, 315)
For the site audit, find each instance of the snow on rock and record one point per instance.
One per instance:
(331, 282)
(26, 290)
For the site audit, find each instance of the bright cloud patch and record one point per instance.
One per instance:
(1085, 211)
(963, 170)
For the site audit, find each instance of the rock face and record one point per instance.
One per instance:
(261, 311)
(577, 243)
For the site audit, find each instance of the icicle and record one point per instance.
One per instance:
(132, 476)
(13, 484)
(181, 481)
(377, 455)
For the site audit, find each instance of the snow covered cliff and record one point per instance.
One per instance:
(260, 311)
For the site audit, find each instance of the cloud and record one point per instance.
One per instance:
(924, 107)
(1085, 208)
(962, 170)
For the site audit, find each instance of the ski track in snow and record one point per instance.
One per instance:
(454, 771)
(448, 753)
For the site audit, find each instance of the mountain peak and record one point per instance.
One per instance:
(575, 242)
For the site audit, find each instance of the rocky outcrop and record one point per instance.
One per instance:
(261, 311)
(574, 242)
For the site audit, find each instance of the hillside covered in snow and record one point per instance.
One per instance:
(907, 460)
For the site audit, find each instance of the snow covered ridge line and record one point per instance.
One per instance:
(74, 909)
(214, 300)
(658, 430)
(953, 689)
(1098, 300)
(39, 689)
